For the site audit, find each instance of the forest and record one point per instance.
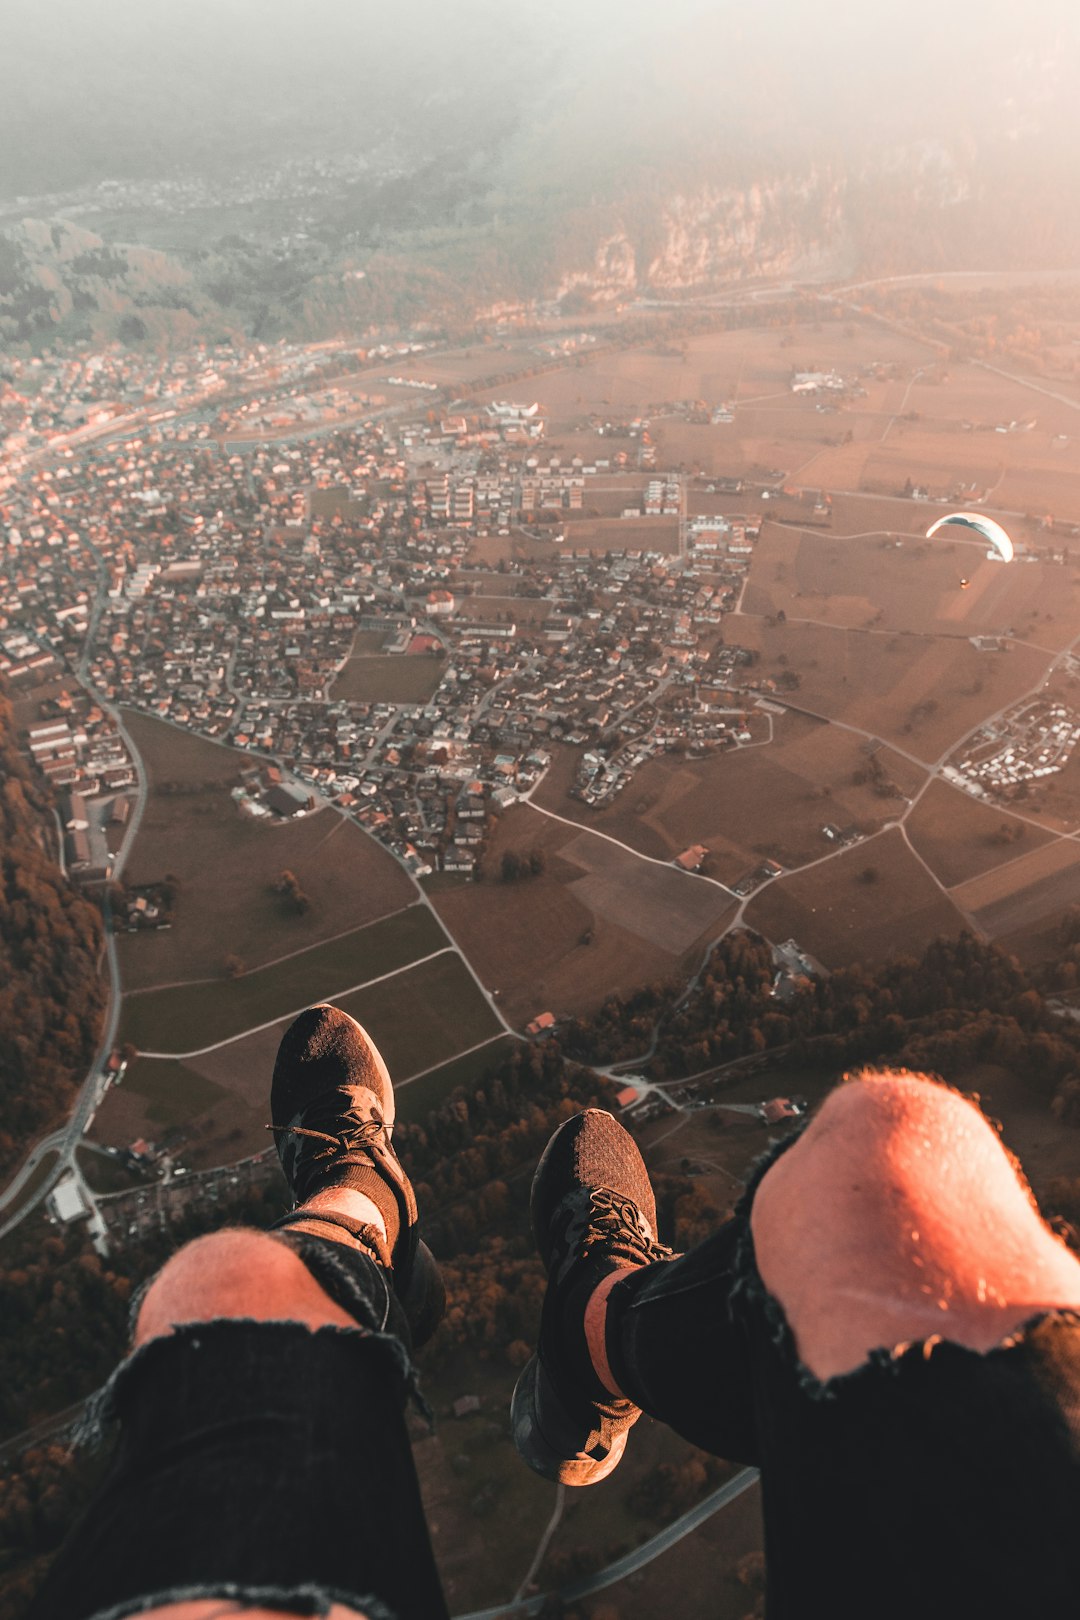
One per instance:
(52, 993)
(962, 1002)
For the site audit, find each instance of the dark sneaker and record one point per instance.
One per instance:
(332, 1105)
(593, 1212)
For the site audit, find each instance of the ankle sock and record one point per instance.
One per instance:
(600, 1320)
(364, 1178)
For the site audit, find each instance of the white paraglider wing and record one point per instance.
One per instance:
(990, 531)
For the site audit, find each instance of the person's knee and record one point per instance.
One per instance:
(234, 1273)
(899, 1214)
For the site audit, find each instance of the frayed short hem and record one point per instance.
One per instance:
(102, 1407)
(306, 1600)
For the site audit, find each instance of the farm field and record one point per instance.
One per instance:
(184, 1016)
(1010, 878)
(915, 586)
(840, 913)
(745, 364)
(398, 678)
(159, 1095)
(217, 1102)
(920, 693)
(226, 865)
(959, 837)
(596, 920)
(750, 803)
(1030, 891)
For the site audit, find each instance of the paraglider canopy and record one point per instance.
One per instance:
(980, 525)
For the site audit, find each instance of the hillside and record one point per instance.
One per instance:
(51, 993)
(497, 160)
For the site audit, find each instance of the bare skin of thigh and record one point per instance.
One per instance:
(899, 1216)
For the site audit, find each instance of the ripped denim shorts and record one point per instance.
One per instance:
(932, 1480)
(259, 1463)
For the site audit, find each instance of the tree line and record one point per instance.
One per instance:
(52, 994)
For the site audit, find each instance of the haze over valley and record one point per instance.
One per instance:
(466, 489)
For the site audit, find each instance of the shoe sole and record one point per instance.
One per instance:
(544, 1458)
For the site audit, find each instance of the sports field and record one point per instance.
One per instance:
(400, 678)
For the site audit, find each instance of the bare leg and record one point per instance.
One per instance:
(899, 1216)
(235, 1273)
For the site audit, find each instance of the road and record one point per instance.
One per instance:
(64, 1140)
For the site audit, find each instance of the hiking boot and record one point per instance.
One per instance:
(593, 1212)
(332, 1105)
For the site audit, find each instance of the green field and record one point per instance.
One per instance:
(195, 1015)
(226, 867)
(416, 1097)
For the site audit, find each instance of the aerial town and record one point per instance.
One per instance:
(223, 586)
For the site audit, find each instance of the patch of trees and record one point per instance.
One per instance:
(874, 775)
(514, 867)
(961, 1003)
(1008, 832)
(287, 885)
(52, 995)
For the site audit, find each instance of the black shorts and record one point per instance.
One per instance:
(255, 1460)
(932, 1480)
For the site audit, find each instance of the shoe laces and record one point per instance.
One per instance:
(365, 1133)
(616, 1223)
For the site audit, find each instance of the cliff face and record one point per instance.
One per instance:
(692, 240)
(919, 205)
(687, 228)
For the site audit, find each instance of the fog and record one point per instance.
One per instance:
(142, 88)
